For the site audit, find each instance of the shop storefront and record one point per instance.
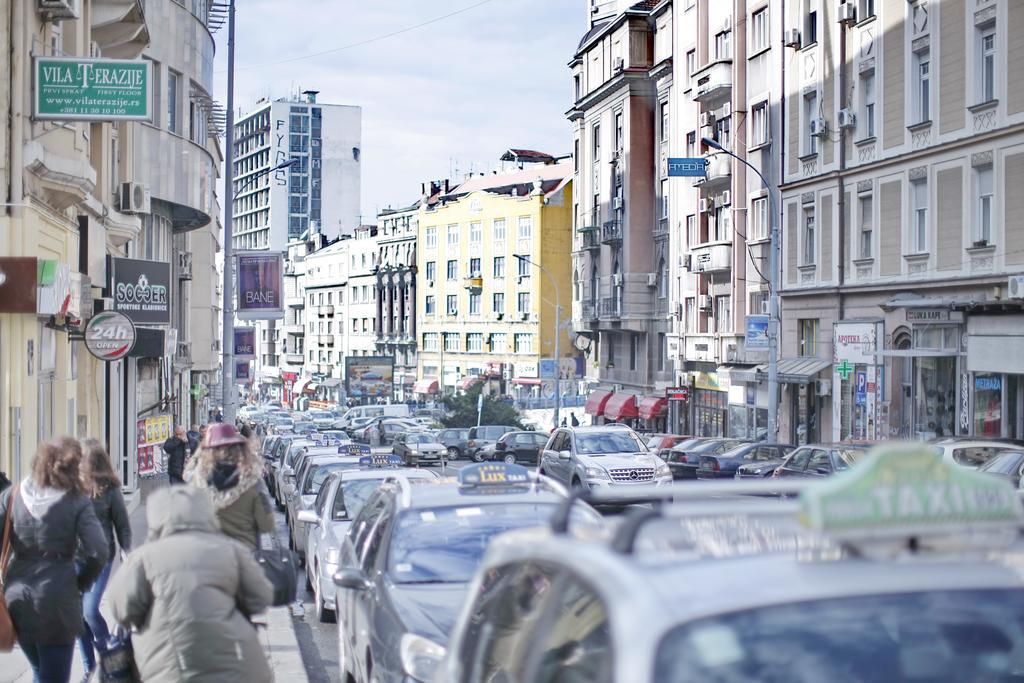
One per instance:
(803, 390)
(748, 399)
(709, 403)
(653, 411)
(595, 405)
(857, 380)
(994, 374)
(936, 397)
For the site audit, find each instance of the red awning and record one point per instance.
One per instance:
(596, 402)
(652, 407)
(425, 386)
(620, 407)
(467, 382)
(533, 381)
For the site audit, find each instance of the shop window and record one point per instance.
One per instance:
(988, 405)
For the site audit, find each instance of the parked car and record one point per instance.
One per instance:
(684, 458)
(820, 460)
(303, 427)
(387, 429)
(416, 448)
(358, 412)
(601, 457)
(725, 464)
(482, 436)
(521, 447)
(1007, 464)
(321, 418)
(659, 443)
(455, 441)
(972, 452)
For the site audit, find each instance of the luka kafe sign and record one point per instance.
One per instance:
(73, 89)
(141, 290)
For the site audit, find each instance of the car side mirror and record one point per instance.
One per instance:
(564, 455)
(353, 579)
(309, 517)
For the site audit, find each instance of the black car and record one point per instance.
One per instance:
(684, 458)
(483, 436)
(725, 464)
(407, 559)
(1008, 464)
(454, 440)
(517, 447)
(821, 460)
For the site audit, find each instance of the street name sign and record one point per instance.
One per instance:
(74, 89)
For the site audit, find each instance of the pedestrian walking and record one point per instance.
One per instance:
(108, 504)
(228, 468)
(194, 439)
(190, 594)
(52, 517)
(176, 449)
(575, 422)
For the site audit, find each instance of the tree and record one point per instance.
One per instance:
(462, 410)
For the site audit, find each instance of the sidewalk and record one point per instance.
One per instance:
(278, 637)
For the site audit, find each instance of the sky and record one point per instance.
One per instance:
(456, 92)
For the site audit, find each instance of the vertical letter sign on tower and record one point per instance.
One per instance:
(260, 286)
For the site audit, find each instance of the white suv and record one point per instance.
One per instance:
(597, 458)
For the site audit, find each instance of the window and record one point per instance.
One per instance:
(523, 302)
(922, 88)
(431, 270)
(524, 267)
(692, 237)
(720, 229)
(453, 269)
(866, 208)
(665, 125)
(431, 238)
(808, 336)
(691, 144)
(723, 45)
(663, 279)
(430, 304)
(691, 314)
(499, 266)
(723, 314)
(691, 63)
(596, 142)
(867, 111)
(474, 267)
(810, 35)
(451, 341)
(810, 114)
(498, 230)
(590, 657)
(619, 132)
(758, 303)
(523, 343)
(987, 82)
(452, 305)
(919, 217)
(173, 122)
(983, 180)
(809, 246)
(474, 303)
(475, 341)
(723, 127)
(634, 345)
(476, 232)
(498, 302)
(525, 230)
(577, 86)
(662, 351)
(866, 10)
(759, 124)
(759, 30)
(499, 342)
(453, 235)
(430, 341)
(758, 219)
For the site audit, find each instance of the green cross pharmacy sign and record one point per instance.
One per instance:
(72, 89)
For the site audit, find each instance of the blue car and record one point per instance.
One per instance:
(724, 465)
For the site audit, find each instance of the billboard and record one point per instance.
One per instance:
(245, 343)
(243, 375)
(141, 290)
(260, 286)
(369, 376)
(151, 434)
(571, 368)
(76, 89)
(757, 332)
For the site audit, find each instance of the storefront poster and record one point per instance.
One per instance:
(152, 432)
(757, 332)
(369, 376)
(260, 286)
(141, 290)
(856, 396)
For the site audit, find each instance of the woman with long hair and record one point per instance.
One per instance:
(230, 470)
(108, 504)
(52, 521)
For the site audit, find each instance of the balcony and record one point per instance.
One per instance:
(293, 329)
(588, 311)
(711, 258)
(713, 83)
(591, 220)
(611, 232)
(661, 228)
(719, 171)
(325, 310)
(589, 240)
(611, 308)
(295, 302)
(325, 368)
(294, 358)
(327, 339)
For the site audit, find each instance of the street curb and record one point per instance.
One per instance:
(282, 647)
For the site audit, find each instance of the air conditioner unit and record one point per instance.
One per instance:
(430, 283)
(731, 354)
(791, 38)
(59, 9)
(819, 128)
(616, 203)
(847, 119)
(764, 308)
(184, 265)
(687, 261)
(707, 120)
(652, 279)
(705, 302)
(524, 316)
(847, 13)
(726, 198)
(620, 63)
(726, 110)
(706, 205)
(1015, 287)
(824, 387)
(289, 268)
(134, 198)
(475, 274)
(617, 280)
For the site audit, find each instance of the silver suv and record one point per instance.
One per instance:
(597, 458)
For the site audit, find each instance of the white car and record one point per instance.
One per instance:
(972, 453)
(601, 457)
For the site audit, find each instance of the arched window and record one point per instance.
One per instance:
(595, 284)
(575, 284)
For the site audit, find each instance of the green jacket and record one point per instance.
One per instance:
(243, 504)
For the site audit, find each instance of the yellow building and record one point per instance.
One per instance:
(483, 314)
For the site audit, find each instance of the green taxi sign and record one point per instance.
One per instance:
(907, 489)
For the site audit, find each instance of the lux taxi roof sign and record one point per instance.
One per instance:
(904, 490)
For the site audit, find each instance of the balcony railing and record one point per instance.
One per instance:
(661, 227)
(327, 339)
(294, 301)
(611, 232)
(591, 220)
(294, 358)
(611, 307)
(588, 310)
(589, 240)
(326, 310)
(713, 82)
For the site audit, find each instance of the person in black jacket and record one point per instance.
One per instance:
(176, 448)
(108, 504)
(52, 517)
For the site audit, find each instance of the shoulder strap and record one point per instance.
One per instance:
(5, 550)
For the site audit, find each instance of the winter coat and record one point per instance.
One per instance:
(113, 516)
(177, 451)
(243, 504)
(190, 592)
(43, 591)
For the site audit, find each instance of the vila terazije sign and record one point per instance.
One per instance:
(92, 89)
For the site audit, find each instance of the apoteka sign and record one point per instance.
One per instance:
(109, 336)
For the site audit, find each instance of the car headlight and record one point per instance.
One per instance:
(662, 470)
(596, 473)
(420, 656)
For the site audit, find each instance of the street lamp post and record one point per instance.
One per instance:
(773, 296)
(558, 333)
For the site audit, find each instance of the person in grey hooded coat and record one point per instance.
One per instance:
(190, 591)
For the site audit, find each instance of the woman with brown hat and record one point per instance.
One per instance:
(229, 469)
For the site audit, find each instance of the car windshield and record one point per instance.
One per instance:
(320, 474)
(939, 637)
(489, 432)
(715, 447)
(848, 457)
(318, 415)
(445, 545)
(351, 496)
(418, 438)
(612, 441)
(1004, 463)
(655, 442)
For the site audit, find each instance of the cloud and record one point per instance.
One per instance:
(458, 91)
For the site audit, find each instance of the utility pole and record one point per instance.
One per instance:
(558, 334)
(228, 324)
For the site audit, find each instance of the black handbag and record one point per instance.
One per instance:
(280, 567)
(117, 662)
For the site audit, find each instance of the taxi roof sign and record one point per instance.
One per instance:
(354, 449)
(380, 460)
(493, 474)
(904, 490)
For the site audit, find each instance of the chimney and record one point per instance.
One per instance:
(447, 187)
(310, 95)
